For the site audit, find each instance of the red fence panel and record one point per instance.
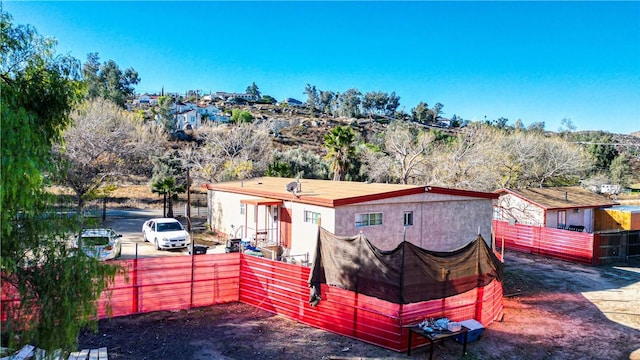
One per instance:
(172, 283)
(563, 244)
(168, 283)
(282, 289)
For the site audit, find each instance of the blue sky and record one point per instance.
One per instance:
(534, 61)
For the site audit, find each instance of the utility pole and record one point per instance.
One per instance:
(188, 201)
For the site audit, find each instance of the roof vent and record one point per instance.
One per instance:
(566, 196)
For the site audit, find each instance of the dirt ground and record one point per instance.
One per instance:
(552, 310)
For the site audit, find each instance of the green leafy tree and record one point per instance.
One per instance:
(253, 90)
(313, 99)
(349, 103)
(620, 170)
(326, 101)
(58, 287)
(108, 81)
(279, 169)
(340, 146)
(420, 112)
(566, 125)
(300, 162)
(162, 113)
(268, 99)
(170, 189)
(239, 116)
(392, 103)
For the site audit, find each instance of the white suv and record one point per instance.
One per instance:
(166, 233)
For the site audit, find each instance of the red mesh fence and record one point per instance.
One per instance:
(170, 283)
(562, 244)
(282, 289)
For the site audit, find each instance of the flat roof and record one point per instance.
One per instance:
(332, 193)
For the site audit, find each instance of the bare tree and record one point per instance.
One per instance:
(234, 152)
(104, 143)
(464, 163)
(408, 146)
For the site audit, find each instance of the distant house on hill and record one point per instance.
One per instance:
(292, 102)
(188, 120)
(226, 96)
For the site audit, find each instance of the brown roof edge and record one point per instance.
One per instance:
(372, 197)
(460, 192)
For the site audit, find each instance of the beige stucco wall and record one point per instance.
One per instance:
(441, 222)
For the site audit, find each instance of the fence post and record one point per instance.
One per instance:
(134, 277)
(595, 258)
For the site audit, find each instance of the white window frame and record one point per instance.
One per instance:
(408, 215)
(369, 219)
(243, 209)
(311, 217)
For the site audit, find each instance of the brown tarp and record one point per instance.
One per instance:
(407, 274)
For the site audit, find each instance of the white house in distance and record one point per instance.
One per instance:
(281, 211)
(189, 119)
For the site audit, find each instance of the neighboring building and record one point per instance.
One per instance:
(433, 218)
(180, 107)
(558, 207)
(146, 99)
(212, 113)
(292, 102)
(618, 218)
(230, 96)
(188, 120)
(609, 189)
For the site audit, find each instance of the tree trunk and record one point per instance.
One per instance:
(164, 206)
(170, 207)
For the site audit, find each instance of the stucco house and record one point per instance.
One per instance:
(187, 120)
(569, 208)
(286, 212)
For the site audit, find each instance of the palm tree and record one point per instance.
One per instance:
(170, 190)
(340, 150)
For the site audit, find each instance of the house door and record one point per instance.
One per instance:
(285, 227)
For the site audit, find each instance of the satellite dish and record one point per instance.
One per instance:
(292, 187)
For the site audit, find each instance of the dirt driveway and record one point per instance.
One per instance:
(552, 310)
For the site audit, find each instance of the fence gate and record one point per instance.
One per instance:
(618, 246)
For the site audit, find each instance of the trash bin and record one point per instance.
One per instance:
(198, 249)
(233, 245)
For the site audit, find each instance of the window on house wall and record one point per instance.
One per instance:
(243, 208)
(562, 218)
(408, 218)
(311, 217)
(368, 219)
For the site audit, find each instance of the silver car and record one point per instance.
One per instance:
(102, 244)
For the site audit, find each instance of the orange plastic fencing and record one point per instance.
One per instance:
(171, 283)
(558, 243)
(282, 289)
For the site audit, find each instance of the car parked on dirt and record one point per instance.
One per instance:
(165, 233)
(102, 244)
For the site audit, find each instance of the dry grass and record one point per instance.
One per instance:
(131, 196)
